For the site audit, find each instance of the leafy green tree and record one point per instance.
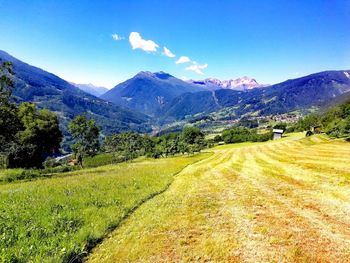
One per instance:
(281, 125)
(194, 138)
(128, 145)
(148, 145)
(6, 83)
(217, 138)
(86, 135)
(248, 123)
(190, 134)
(39, 137)
(9, 121)
(27, 135)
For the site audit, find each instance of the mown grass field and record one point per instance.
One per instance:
(280, 201)
(60, 218)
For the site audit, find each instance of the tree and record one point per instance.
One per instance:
(194, 138)
(217, 138)
(6, 83)
(38, 138)
(86, 135)
(9, 121)
(190, 133)
(27, 135)
(281, 126)
(128, 145)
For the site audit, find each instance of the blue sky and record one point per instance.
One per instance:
(270, 40)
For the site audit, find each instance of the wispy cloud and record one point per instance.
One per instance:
(117, 37)
(168, 53)
(183, 59)
(136, 41)
(197, 68)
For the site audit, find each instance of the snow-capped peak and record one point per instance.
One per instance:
(244, 83)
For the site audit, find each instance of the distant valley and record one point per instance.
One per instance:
(91, 89)
(150, 100)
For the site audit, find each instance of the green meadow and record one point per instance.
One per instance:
(284, 200)
(60, 218)
(278, 201)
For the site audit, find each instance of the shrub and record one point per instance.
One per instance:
(217, 138)
(50, 162)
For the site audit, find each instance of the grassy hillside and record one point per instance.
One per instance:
(60, 218)
(280, 201)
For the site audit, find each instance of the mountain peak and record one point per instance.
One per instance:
(143, 74)
(159, 75)
(243, 83)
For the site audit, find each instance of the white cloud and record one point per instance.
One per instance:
(197, 68)
(136, 41)
(117, 37)
(183, 59)
(168, 53)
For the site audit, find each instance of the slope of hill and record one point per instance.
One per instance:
(49, 91)
(295, 94)
(279, 201)
(79, 208)
(91, 89)
(148, 92)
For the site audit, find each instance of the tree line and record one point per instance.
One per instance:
(242, 134)
(335, 122)
(130, 145)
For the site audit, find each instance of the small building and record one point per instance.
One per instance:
(72, 162)
(277, 134)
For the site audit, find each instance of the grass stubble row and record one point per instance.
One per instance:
(283, 201)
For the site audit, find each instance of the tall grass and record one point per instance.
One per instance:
(61, 218)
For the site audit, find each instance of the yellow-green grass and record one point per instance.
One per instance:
(280, 201)
(60, 218)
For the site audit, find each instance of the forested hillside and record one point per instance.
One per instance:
(49, 91)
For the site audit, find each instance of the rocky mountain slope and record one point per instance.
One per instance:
(149, 92)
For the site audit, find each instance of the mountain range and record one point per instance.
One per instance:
(49, 91)
(167, 99)
(296, 94)
(244, 83)
(150, 100)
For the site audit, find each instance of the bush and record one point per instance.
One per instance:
(217, 138)
(241, 134)
(281, 125)
(50, 162)
(11, 175)
(102, 159)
